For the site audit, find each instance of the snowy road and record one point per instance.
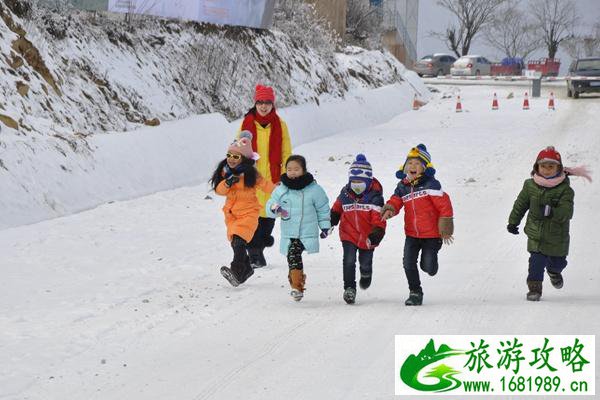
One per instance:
(125, 301)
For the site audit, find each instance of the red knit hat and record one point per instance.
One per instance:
(549, 154)
(264, 93)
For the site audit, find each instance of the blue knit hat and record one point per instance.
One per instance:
(420, 152)
(361, 170)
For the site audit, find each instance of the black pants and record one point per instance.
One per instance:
(429, 261)
(365, 261)
(294, 255)
(240, 266)
(239, 249)
(262, 236)
(539, 262)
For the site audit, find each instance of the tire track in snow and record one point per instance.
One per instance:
(272, 346)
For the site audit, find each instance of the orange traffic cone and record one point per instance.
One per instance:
(458, 105)
(416, 103)
(495, 102)
(526, 102)
(551, 101)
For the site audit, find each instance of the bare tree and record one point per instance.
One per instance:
(59, 6)
(301, 21)
(556, 21)
(364, 22)
(473, 16)
(586, 45)
(511, 32)
(138, 10)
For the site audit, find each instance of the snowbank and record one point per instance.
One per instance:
(51, 181)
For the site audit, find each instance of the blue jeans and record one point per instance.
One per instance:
(365, 260)
(538, 262)
(429, 261)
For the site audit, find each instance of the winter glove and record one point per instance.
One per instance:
(227, 172)
(277, 209)
(387, 212)
(512, 228)
(325, 232)
(229, 182)
(375, 237)
(334, 217)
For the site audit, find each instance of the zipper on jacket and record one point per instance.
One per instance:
(301, 212)
(356, 220)
(412, 189)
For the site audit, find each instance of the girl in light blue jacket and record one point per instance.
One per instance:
(304, 210)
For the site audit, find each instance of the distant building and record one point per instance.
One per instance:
(401, 24)
(399, 19)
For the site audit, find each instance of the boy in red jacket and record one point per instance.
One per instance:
(427, 218)
(357, 210)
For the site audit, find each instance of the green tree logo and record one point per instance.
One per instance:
(409, 372)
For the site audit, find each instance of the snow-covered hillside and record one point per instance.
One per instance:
(126, 302)
(69, 83)
(85, 73)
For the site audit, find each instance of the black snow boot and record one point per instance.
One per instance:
(257, 260)
(230, 276)
(535, 290)
(261, 258)
(238, 273)
(245, 270)
(350, 295)
(556, 279)
(414, 299)
(364, 282)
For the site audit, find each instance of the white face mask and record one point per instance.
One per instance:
(358, 187)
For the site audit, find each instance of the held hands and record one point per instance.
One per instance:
(387, 212)
(512, 228)
(325, 232)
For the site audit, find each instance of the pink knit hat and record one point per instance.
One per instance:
(243, 145)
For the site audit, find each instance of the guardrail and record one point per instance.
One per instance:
(518, 78)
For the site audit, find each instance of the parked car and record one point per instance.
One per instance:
(471, 65)
(434, 65)
(583, 68)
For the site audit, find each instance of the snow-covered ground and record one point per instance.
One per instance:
(125, 301)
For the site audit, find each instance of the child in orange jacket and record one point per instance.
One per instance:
(237, 178)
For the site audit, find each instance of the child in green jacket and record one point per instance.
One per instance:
(548, 197)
